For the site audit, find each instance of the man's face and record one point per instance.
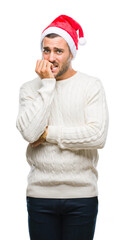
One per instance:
(56, 51)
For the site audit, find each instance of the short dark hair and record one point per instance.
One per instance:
(52, 35)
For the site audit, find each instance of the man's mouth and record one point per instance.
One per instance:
(54, 67)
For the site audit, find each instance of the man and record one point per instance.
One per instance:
(63, 115)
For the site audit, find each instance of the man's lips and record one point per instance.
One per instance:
(54, 67)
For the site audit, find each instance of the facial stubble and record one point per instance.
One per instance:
(64, 67)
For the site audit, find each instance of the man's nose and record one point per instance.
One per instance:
(52, 57)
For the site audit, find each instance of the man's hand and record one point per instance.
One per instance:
(40, 140)
(43, 69)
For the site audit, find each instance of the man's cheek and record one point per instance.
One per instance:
(44, 57)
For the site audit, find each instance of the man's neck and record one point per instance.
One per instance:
(67, 74)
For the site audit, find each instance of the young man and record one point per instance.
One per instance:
(63, 115)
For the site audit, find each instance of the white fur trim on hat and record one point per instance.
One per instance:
(63, 34)
(82, 41)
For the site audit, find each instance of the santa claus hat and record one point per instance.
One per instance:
(67, 28)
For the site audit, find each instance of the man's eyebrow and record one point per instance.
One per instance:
(45, 47)
(55, 48)
(61, 49)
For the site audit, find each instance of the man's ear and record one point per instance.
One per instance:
(71, 55)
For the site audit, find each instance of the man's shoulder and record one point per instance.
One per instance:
(88, 79)
(88, 76)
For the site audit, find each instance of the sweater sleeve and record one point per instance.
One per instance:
(92, 134)
(34, 109)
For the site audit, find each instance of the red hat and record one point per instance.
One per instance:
(67, 28)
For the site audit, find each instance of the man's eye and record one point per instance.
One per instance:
(45, 50)
(59, 51)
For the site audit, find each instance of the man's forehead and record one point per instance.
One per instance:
(56, 41)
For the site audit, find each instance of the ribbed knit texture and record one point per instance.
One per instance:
(75, 111)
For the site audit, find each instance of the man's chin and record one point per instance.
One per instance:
(56, 75)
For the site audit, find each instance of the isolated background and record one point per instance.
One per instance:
(21, 23)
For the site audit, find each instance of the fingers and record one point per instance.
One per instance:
(49, 66)
(42, 65)
(39, 65)
(37, 143)
(43, 69)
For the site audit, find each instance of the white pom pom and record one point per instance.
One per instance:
(82, 41)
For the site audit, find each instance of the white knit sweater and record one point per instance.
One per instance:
(75, 111)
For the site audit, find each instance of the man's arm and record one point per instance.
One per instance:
(34, 108)
(92, 134)
(41, 140)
